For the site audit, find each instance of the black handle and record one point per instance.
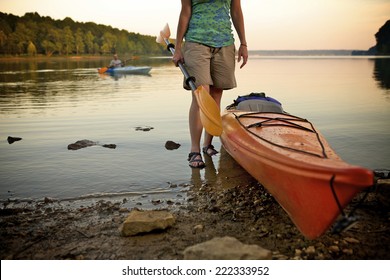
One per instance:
(190, 80)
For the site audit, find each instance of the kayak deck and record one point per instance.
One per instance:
(294, 162)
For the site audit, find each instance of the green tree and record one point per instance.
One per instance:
(49, 47)
(89, 42)
(109, 43)
(53, 42)
(3, 40)
(31, 49)
(21, 38)
(79, 41)
(68, 40)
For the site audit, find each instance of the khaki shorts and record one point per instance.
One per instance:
(210, 66)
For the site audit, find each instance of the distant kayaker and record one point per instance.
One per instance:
(116, 62)
(209, 55)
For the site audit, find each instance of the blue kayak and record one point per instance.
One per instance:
(143, 70)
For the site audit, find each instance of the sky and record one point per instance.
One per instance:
(269, 24)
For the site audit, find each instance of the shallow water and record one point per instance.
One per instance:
(53, 104)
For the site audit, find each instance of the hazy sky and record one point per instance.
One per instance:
(270, 24)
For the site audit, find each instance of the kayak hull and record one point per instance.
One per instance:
(140, 70)
(294, 162)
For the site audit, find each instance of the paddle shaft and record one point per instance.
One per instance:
(190, 81)
(209, 111)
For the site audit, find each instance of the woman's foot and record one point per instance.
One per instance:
(195, 160)
(209, 150)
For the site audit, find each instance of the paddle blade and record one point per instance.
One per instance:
(164, 34)
(102, 70)
(210, 115)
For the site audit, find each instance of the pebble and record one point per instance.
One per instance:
(352, 240)
(348, 251)
(310, 250)
(198, 229)
(298, 252)
(334, 249)
(48, 200)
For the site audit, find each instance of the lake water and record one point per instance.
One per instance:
(53, 104)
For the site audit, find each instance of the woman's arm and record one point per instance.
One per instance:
(184, 19)
(238, 22)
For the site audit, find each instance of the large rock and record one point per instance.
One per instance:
(88, 143)
(170, 145)
(226, 248)
(81, 144)
(146, 221)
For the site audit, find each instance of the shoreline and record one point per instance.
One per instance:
(246, 212)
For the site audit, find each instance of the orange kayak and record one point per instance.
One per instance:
(294, 162)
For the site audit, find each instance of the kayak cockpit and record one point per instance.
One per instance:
(256, 102)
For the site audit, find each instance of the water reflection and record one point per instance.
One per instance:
(382, 72)
(229, 173)
(117, 76)
(46, 82)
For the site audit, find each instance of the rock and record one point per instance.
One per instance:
(334, 249)
(11, 139)
(88, 143)
(48, 200)
(311, 250)
(383, 191)
(146, 221)
(382, 173)
(144, 128)
(81, 144)
(226, 248)
(110, 146)
(348, 251)
(352, 240)
(170, 145)
(198, 229)
(298, 252)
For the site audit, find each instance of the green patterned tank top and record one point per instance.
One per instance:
(210, 23)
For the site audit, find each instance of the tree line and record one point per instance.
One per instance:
(33, 34)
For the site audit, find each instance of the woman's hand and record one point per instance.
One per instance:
(242, 54)
(178, 57)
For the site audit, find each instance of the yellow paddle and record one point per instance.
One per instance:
(210, 114)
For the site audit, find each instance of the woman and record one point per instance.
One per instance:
(209, 55)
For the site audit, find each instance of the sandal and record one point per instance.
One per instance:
(209, 150)
(195, 157)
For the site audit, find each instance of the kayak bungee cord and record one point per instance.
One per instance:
(287, 121)
(347, 221)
